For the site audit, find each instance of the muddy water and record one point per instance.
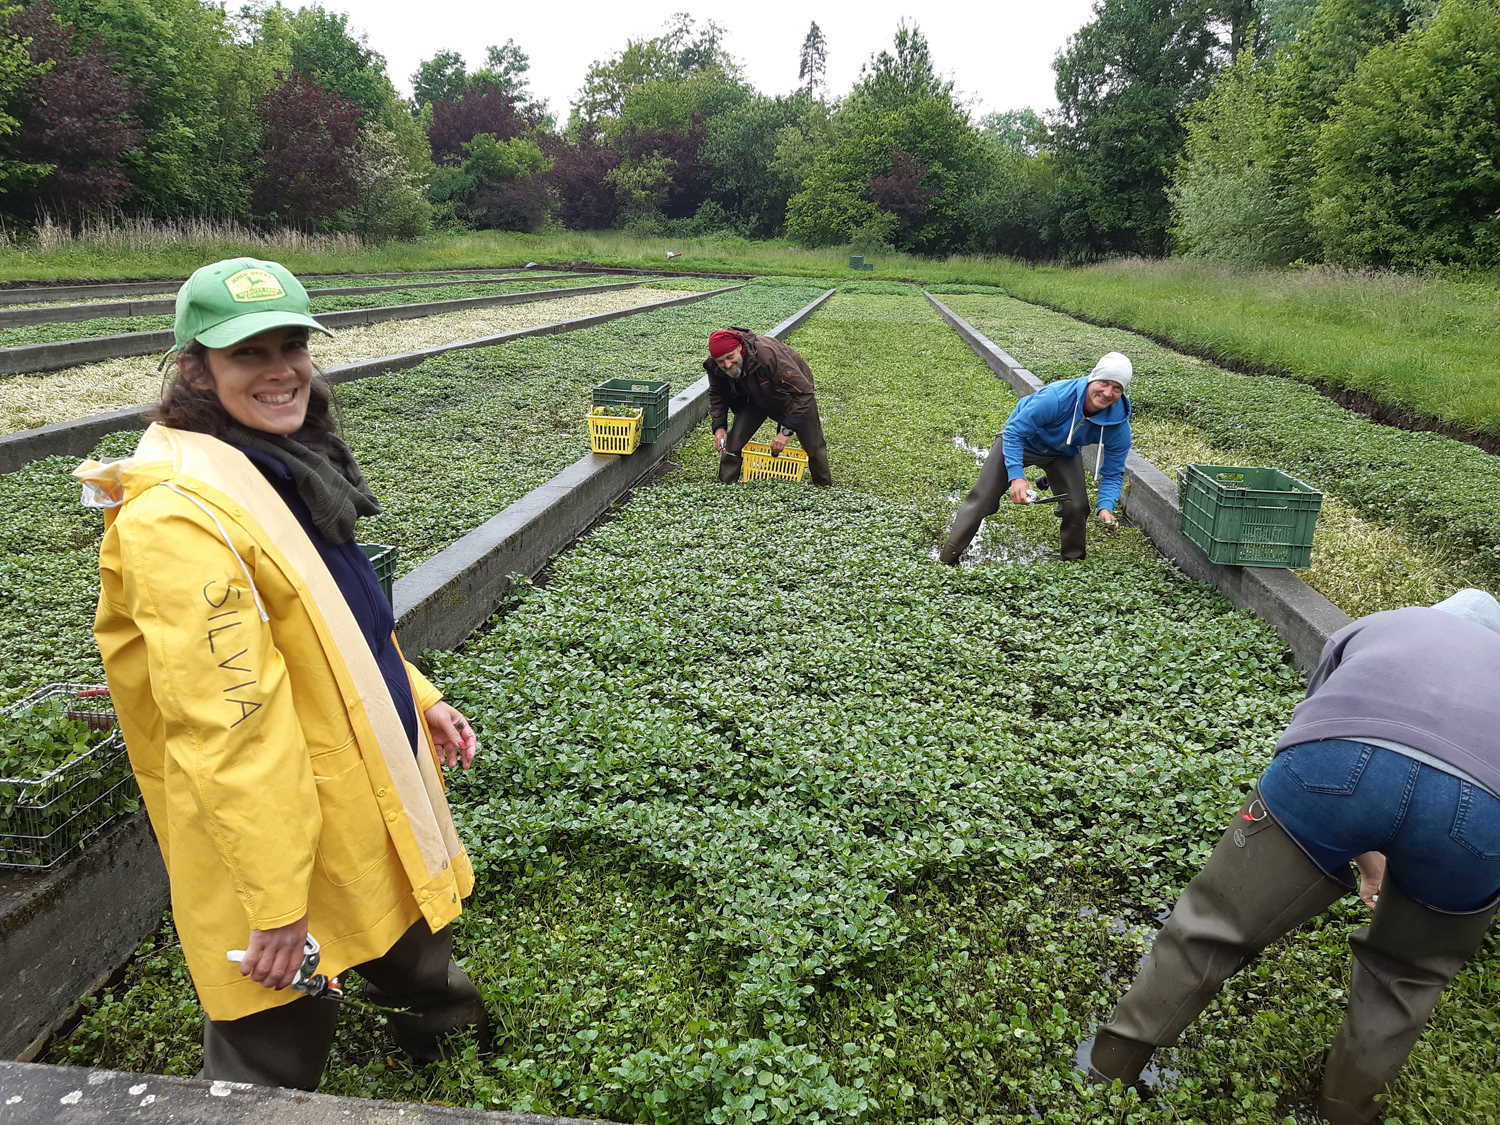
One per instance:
(972, 450)
(1157, 1073)
(997, 541)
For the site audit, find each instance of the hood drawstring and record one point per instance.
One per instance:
(254, 593)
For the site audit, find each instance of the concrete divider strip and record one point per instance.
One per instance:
(32, 294)
(30, 359)
(1301, 616)
(78, 437)
(63, 933)
(43, 1095)
(165, 306)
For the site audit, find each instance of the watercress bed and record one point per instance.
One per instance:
(446, 445)
(780, 820)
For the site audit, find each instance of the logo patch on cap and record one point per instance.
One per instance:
(254, 285)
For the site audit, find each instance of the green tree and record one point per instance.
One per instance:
(17, 72)
(1227, 203)
(1019, 129)
(679, 51)
(1013, 209)
(812, 62)
(498, 185)
(1308, 77)
(1408, 163)
(182, 60)
(903, 159)
(890, 81)
(505, 68)
(1122, 84)
(324, 48)
(392, 201)
(441, 78)
(756, 154)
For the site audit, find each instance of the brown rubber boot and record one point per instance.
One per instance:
(1402, 962)
(1256, 886)
(817, 466)
(953, 547)
(1115, 1058)
(730, 465)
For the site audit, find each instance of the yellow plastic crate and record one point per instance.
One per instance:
(760, 465)
(614, 435)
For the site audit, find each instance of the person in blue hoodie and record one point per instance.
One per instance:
(1049, 428)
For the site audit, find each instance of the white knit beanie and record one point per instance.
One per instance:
(1473, 605)
(1115, 367)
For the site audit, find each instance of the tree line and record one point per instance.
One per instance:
(1364, 132)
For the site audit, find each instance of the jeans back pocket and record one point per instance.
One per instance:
(1332, 767)
(1476, 822)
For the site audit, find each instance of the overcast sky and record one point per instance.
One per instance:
(998, 54)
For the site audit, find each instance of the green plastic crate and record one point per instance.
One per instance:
(49, 818)
(383, 559)
(1246, 516)
(650, 395)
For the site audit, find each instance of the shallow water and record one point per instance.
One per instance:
(972, 450)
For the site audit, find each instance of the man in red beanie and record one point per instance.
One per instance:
(759, 377)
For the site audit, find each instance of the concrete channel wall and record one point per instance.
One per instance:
(67, 1095)
(32, 294)
(63, 933)
(78, 437)
(1301, 616)
(30, 359)
(166, 306)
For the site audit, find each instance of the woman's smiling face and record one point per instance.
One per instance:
(262, 381)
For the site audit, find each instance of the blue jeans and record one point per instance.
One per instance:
(1440, 835)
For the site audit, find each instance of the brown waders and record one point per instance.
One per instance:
(747, 421)
(1258, 885)
(289, 1045)
(1402, 962)
(1065, 475)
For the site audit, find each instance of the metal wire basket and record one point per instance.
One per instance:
(47, 818)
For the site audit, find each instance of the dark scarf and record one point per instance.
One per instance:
(323, 471)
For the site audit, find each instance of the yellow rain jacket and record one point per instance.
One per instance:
(277, 774)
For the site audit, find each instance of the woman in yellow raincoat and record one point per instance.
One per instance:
(286, 751)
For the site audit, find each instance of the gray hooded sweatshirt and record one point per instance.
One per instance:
(1419, 677)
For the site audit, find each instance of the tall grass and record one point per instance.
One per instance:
(121, 247)
(105, 246)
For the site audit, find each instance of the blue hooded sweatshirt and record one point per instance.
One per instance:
(1051, 421)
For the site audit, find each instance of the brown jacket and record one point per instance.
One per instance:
(774, 379)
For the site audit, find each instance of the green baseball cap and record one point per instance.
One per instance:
(235, 299)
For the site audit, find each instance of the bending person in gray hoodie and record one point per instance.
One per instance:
(1049, 428)
(1391, 762)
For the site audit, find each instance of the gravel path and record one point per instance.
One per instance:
(27, 401)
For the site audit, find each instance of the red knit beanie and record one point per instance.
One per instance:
(723, 342)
